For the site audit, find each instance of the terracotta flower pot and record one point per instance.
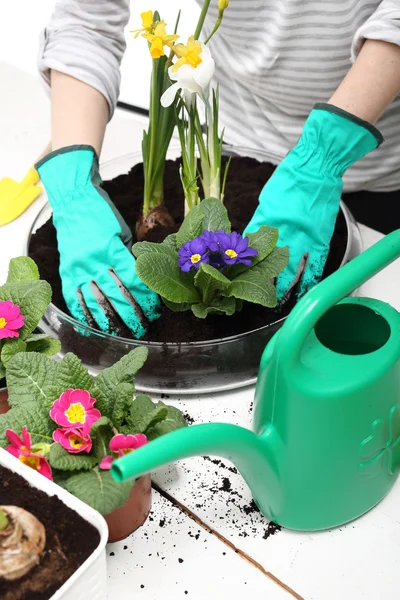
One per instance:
(4, 406)
(125, 520)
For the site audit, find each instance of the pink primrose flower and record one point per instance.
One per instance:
(11, 320)
(123, 444)
(74, 410)
(73, 440)
(21, 449)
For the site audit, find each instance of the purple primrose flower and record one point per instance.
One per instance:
(234, 249)
(192, 254)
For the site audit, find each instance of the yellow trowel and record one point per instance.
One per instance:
(17, 196)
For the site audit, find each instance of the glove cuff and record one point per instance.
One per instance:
(350, 117)
(65, 150)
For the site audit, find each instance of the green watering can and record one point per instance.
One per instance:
(326, 442)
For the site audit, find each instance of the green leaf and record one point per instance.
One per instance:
(153, 248)
(72, 374)
(123, 371)
(210, 281)
(101, 433)
(227, 306)
(174, 420)
(34, 417)
(98, 489)
(2, 371)
(10, 349)
(22, 268)
(254, 287)
(170, 241)
(274, 264)
(61, 459)
(102, 401)
(121, 401)
(264, 241)
(33, 298)
(175, 306)
(162, 275)
(141, 406)
(144, 414)
(215, 215)
(32, 377)
(191, 226)
(43, 343)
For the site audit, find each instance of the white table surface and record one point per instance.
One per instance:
(202, 540)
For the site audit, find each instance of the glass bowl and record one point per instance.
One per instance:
(172, 368)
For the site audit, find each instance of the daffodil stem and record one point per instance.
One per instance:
(202, 18)
(3, 520)
(216, 26)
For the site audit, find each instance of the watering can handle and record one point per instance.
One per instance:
(329, 292)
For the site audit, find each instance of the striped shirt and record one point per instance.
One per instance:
(274, 60)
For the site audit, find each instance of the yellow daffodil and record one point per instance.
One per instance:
(223, 4)
(147, 24)
(158, 39)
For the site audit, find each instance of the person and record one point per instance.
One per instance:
(313, 78)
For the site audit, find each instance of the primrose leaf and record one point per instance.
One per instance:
(141, 406)
(61, 459)
(170, 241)
(174, 420)
(274, 264)
(121, 401)
(32, 415)
(22, 268)
(162, 274)
(264, 241)
(215, 215)
(175, 306)
(43, 343)
(11, 348)
(254, 287)
(98, 489)
(122, 371)
(71, 374)
(2, 371)
(32, 377)
(191, 227)
(226, 306)
(210, 281)
(101, 433)
(153, 248)
(33, 298)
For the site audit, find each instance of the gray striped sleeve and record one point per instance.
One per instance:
(85, 39)
(383, 24)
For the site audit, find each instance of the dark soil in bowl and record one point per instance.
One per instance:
(246, 179)
(70, 540)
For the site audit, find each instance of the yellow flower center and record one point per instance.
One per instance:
(30, 461)
(3, 322)
(76, 413)
(195, 258)
(188, 55)
(231, 253)
(76, 441)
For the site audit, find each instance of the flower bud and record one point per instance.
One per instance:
(223, 4)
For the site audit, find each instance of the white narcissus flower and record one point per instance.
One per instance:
(192, 73)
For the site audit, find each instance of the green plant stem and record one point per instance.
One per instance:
(202, 17)
(3, 520)
(216, 26)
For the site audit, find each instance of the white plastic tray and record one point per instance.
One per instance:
(90, 580)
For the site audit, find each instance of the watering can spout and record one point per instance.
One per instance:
(253, 455)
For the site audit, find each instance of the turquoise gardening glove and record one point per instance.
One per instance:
(302, 198)
(97, 269)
